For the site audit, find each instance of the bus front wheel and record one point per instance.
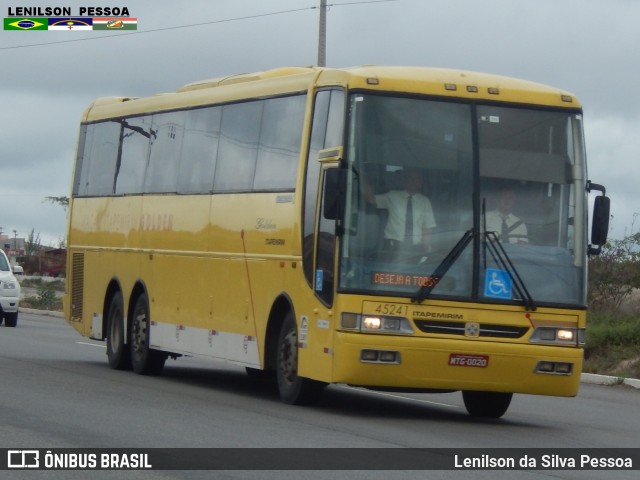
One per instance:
(486, 404)
(117, 351)
(293, 389)
(144, 359)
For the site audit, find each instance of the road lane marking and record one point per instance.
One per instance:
(400, 397)
(392, 395)
(92, 344)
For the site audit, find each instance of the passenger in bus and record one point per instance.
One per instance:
(507, 226)
(410, 219)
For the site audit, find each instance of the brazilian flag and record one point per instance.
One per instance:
(26, 24)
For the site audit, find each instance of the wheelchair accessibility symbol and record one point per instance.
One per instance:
(497, 284)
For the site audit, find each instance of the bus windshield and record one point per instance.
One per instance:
(500, 188)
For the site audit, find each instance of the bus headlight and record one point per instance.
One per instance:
(375, 324)
(372, 323)
(558, 335)
(565, 335)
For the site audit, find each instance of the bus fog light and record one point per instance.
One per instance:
(372, 323)
(388, 357)
(546, 367)
(369, 355)
(554, 368)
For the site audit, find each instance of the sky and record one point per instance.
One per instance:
(48, 78)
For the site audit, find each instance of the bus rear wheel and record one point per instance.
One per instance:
(118, 354)
(293, 389)
(144, 359)
(486, 404)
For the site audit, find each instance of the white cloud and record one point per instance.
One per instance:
(613, 147)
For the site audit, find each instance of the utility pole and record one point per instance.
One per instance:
(322, 35)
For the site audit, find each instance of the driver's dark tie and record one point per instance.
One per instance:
(408, 226)
(504, 231)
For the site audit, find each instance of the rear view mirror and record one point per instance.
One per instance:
(600, 223)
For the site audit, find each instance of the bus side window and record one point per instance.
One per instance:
(136, 136)
(200, 150)
(238, 147)
(97, 159)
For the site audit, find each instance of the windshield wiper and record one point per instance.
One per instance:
(501, 257)
(444, 267)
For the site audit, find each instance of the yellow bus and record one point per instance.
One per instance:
(393, 228)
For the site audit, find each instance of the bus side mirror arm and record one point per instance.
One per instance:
(600, 222)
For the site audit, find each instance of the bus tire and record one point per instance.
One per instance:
(293, 389)
(486, 404)
(118, 354)
(258, 374)
(11, 319)
(144, 359)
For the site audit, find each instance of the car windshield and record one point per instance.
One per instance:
(430, 179)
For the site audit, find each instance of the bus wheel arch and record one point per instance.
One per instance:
(279, 311)
(114, 328)
(144, 359)
(293, 389)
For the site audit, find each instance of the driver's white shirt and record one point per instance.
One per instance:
(517, 234)
(395, 202)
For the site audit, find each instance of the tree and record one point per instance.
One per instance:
(32, 243)
(615, 273)
(63, 201)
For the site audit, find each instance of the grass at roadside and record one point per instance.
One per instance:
(46, 297)
(613, 345)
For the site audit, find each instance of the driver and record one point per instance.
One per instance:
(411, 221)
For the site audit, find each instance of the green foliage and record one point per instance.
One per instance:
(613, 327)
(613, 345)
(614, 274)
(606, 331)
(46, 297)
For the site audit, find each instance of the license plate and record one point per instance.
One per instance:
(464, 360)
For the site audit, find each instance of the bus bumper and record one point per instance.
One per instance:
(444, 364)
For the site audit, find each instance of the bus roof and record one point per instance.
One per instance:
(417, 80)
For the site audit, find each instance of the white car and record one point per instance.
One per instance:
(9, 293)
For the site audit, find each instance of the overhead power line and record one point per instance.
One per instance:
(191, 25)
(155, 30)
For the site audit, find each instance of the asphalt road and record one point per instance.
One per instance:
(57, 391)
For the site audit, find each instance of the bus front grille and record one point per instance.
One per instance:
(459, 328)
